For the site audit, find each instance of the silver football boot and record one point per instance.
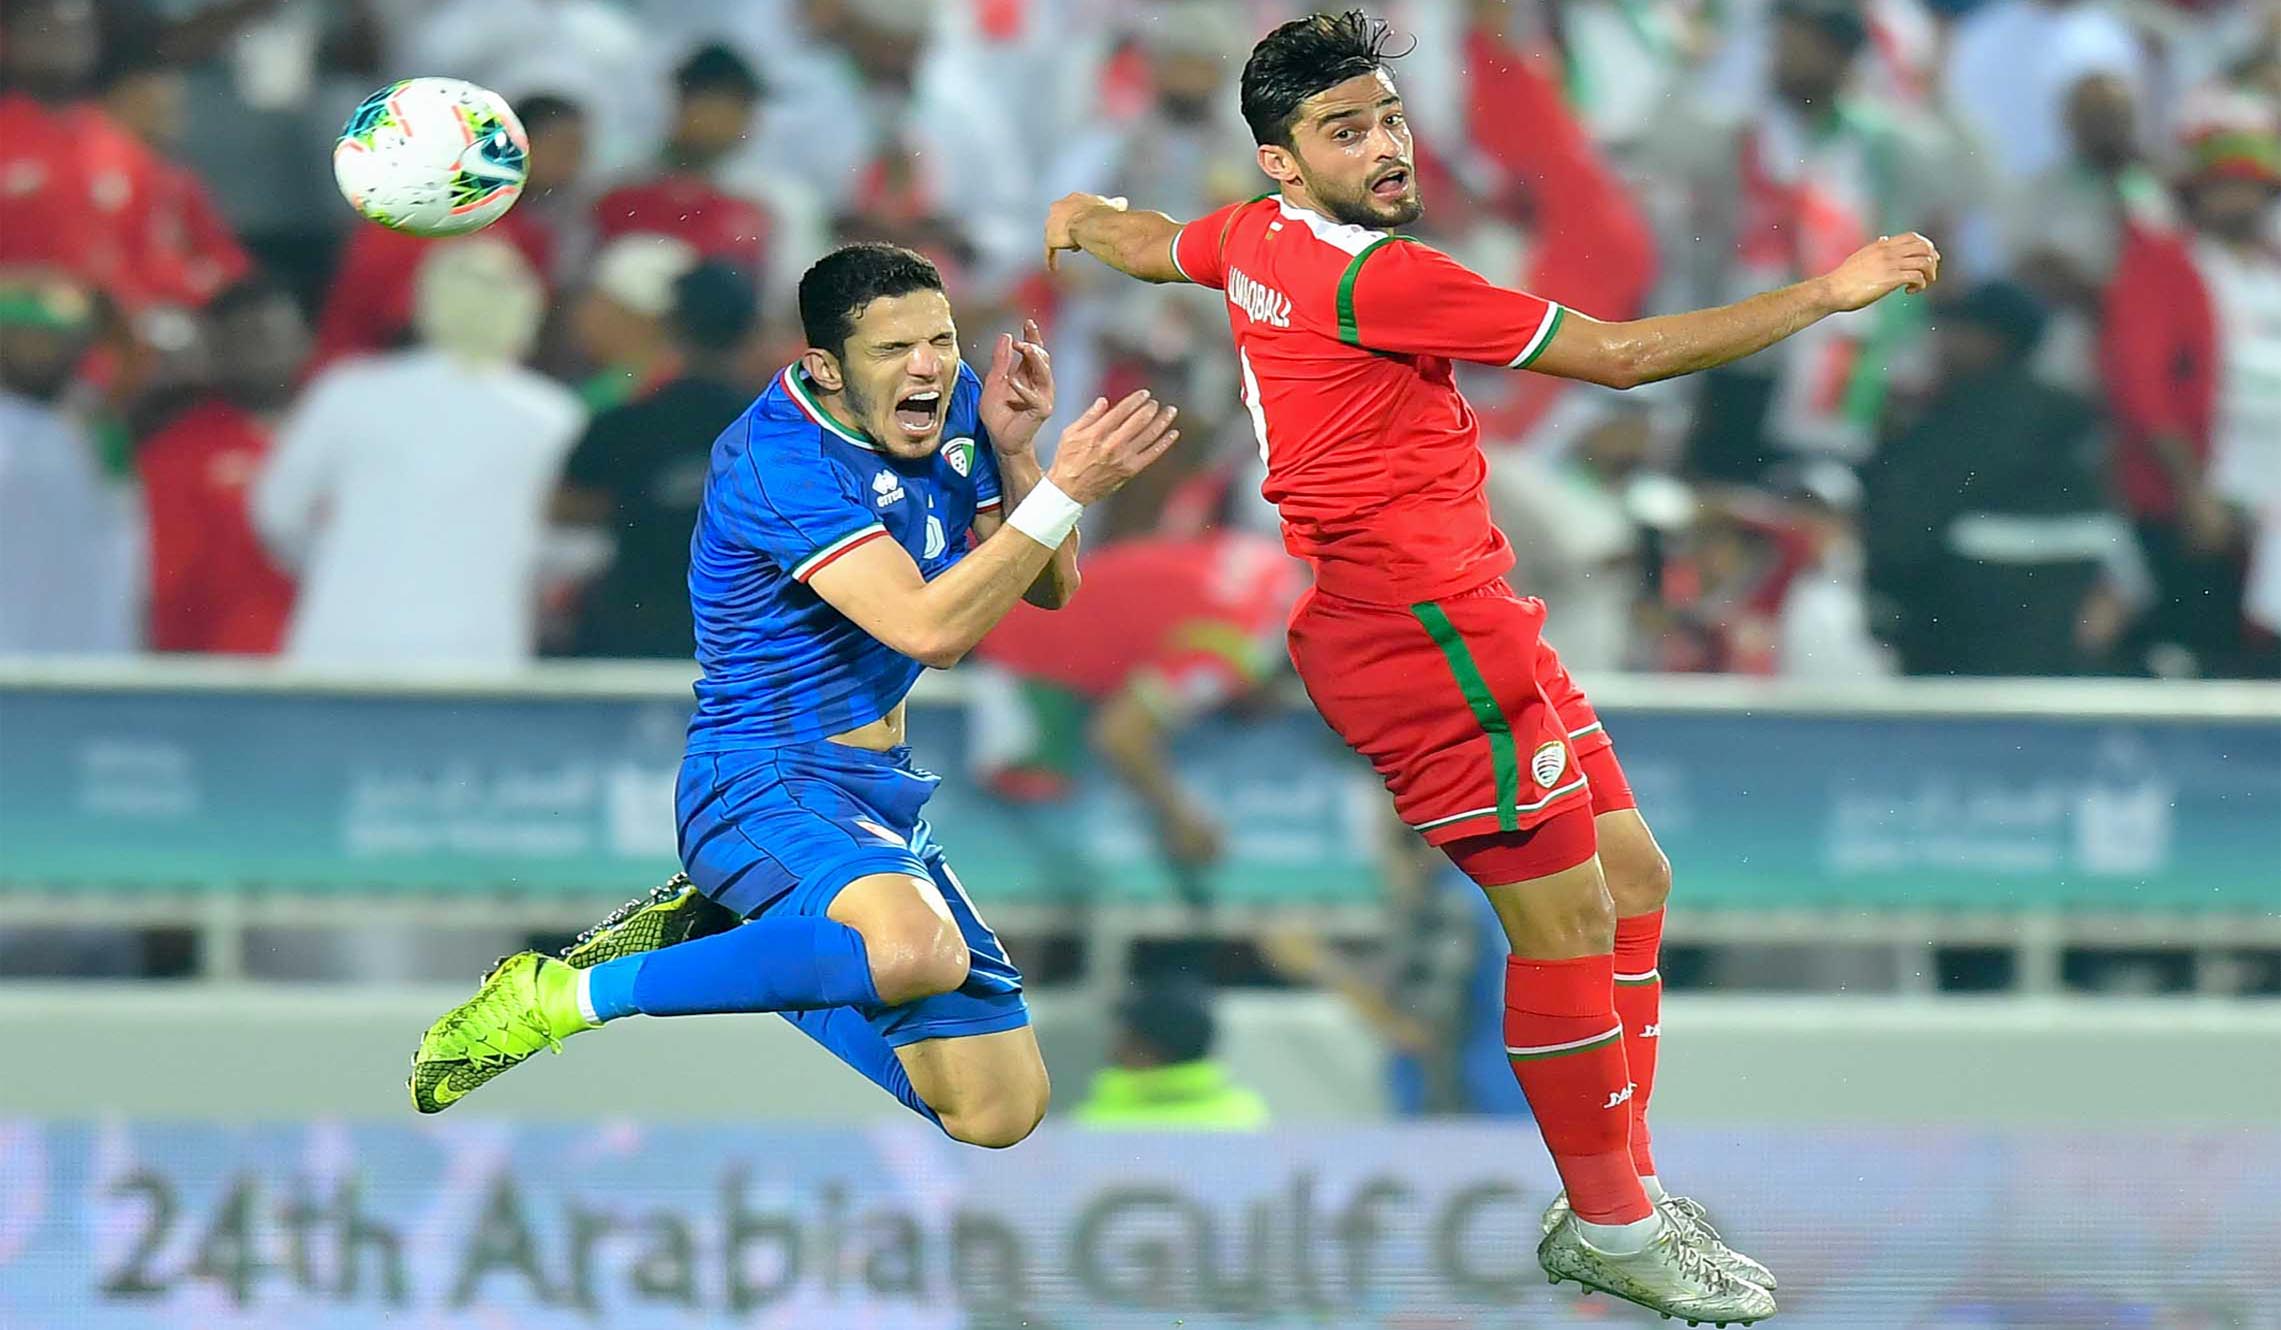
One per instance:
(1694, 1225)
(1667, 1276)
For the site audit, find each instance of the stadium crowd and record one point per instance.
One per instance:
(238, 420)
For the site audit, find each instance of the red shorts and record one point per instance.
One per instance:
(1469, 717)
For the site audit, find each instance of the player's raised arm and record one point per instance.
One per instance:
(1625, 355)
(1137, 244)
(877, 585)
(1017, 399)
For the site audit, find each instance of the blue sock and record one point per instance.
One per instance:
(788, 963)
(851, 1039)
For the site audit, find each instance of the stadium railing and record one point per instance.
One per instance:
(2030, 816)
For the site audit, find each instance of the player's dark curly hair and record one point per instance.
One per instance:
(1302, 58)
(835, 291)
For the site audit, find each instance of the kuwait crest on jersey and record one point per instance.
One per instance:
(1550, 760)
(960, 454)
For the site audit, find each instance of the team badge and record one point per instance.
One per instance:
(960, 454)
(1551, 759)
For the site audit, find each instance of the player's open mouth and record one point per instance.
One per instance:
(1392, 185)
(916, 413)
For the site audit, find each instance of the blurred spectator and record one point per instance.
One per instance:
(1789, 192)
(1162, 1074)
(1169, 629)
(1725, 583)
(410, 489)
(213, 586)
(598, 53)
(369, 306)
(2193, 363)
(71, 542)
(619, 324)
(2013, 63)
(1166, 127)
(718, 94)
(2064, 226)
(1821, 629)
(639, 472)
(1583, 554)
(82, 192)
(192, 252)
(1527, 180)
(1990, 533)
(889, 113)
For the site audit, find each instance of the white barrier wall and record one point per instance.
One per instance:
(228, 1053)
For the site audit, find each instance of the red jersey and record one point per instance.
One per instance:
(212, 585)
(83, 194)
(1345, 338)
(1194, 620)
(691, 209)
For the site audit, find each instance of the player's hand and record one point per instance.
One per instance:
(1062, 216)
(1017, 393)
(1109, 445)
(1893, 263)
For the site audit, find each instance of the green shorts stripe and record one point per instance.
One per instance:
(1504, 754)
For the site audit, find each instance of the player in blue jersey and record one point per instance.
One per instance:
(875, 512)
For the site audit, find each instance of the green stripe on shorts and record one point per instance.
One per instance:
(1504, 754)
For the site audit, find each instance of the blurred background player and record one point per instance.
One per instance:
(1173, 627)
(1161, 1074)
(831, 566)
(638, 473)
(1346, 332)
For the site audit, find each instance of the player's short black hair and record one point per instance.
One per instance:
(714, 306)
(1302, 58)
(715, 67)
(836, 289)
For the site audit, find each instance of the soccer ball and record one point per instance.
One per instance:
(432, 156)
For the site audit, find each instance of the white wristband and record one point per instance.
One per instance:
(1046, 515)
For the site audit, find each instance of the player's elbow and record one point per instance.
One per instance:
(1054, 593)
(1624, 367)
(1619, 357)
(937, 651)
(935, 645)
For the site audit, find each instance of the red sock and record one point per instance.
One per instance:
(1568, 1054)
(1639, 1001)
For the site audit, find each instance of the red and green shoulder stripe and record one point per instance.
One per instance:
(1437, 305)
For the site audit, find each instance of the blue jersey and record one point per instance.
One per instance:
(791, 490)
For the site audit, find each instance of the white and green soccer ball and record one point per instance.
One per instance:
(432, 156)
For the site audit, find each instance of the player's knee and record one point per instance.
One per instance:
(1639, 883)
(919, 962)
(1591, 922)
(1006, 1119)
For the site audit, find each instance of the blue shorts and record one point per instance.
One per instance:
(785, 829)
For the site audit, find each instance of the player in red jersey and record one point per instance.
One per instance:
(1410, 644)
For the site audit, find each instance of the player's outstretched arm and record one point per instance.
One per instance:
(877, 585)
(1137, 244)
(1625, 355)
